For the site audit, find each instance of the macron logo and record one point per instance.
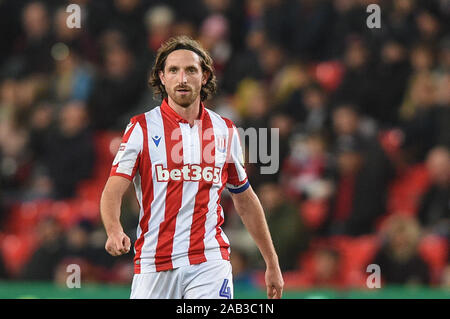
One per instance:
(156, 139)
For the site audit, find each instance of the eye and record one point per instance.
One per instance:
(172, 70)
(192, 70)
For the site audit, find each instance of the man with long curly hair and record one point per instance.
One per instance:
(180, 156)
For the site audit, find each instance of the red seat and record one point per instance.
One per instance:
(313, 213)
(66, 212)
(16, 250)
(106, 146)
(358, 254)
(406, 190)
(329, 74)
(434, 251)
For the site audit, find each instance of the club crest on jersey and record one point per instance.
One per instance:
(156, 140)
(221, 144)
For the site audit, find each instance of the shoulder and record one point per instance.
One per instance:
(142, 117)
(215, 116)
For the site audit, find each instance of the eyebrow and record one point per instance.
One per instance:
(186, 67)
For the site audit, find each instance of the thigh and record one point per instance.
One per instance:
(156, 285)
(209, 280)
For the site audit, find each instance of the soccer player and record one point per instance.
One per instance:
(180, 156)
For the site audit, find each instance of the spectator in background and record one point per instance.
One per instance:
(213, 35)
(349, 19)
(305, 170)
(361, 174)
(290, 236)
(32, 50)
(275, 24)
(358, 199)
(327, 270)
(3, 273)
(244, 63)
(242, 269)
(118, 87)
(422, 130)
(76, 243)
(252, 103)
(314, 102)
(67, 151)
(309, 23)
(289, 86)
(79, 248)
(72, 79)
(422, 63)
(357, 86)
(391, 79)
(400, 21)
(127, 17)
(398, 257)
(445, 279)
(434, 208)
(78, 39)
(159, 20)
(284, 123)
(43, 262)
(428, 25)
(16, 98)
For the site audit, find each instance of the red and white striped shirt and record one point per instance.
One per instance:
(179, 173)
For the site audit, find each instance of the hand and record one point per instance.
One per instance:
(274, 283)
(118, 244)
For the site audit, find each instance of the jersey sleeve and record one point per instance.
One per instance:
(126, 161)
(237, 181)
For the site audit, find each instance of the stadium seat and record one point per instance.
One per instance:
(328, 74)
(106, 146)
(434, 250)
(405, 190)
(65, 212)
(313, 213)
(390, 140)
(16, 250)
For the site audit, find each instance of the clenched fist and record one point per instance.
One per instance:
(118, 244)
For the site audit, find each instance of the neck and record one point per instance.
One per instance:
(190, 113)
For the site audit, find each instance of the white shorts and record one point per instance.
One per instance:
(209, 280)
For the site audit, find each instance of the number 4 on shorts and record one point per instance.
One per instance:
(225, 291)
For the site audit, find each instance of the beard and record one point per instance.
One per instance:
(186, 99)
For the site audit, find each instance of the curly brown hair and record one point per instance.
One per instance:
(182, 43)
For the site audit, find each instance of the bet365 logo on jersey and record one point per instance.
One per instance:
(189, 173)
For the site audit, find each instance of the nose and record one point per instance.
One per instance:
(183, 78)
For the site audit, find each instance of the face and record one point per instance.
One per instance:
(345, 121)
(183, 77)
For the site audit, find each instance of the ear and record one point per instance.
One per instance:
(205, 77)
(161, 77)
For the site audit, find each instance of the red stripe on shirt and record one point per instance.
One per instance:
(145, 171)
(164, 247)
(196, 245)
(222, 243)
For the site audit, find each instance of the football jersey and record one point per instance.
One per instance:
(179, 173)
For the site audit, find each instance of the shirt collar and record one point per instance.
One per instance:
(175, 116)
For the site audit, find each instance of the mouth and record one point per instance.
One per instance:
(183, 91)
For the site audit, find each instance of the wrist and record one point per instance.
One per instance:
(113, 231)
(272, 262)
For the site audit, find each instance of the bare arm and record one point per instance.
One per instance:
(251, 212)
(118, 242)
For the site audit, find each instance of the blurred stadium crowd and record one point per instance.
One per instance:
(363, 116)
